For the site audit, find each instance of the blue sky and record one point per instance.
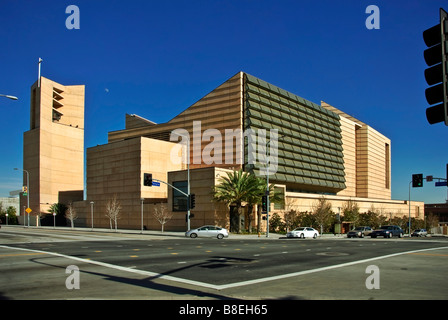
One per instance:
(156, 58)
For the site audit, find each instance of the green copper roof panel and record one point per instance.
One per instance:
(310, 153)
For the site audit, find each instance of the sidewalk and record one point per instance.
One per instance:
(158, 233)
(179, 234)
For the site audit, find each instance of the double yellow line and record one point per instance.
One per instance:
(21, 254)
(429, 254)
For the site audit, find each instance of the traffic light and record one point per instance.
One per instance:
(436, 57)
(417, 180)
(264, 203)
(147, 179)
(192, 201)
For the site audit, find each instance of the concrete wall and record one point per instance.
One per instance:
(221, 109)
(54, 146)
(117, 169)
(367, 158)
(207, 211)
(389, 208)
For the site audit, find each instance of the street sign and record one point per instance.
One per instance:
(28, 210)
(156, 184)
(441, 184)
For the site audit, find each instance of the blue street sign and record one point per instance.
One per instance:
(156, 184)
(441, 184)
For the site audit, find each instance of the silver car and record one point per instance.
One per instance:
(360, 232)
(208, 231)
(419, 233)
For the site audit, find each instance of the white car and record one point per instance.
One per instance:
(303, 232)
(208, 231)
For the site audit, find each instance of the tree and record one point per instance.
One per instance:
(372, 218)
(59, 209)
(276, 223)
(113, 208)
(71, 214)
(12, 217)
(291, 220)
(432, 221)
(162, 215)
(254, 199)
(11, 211)
(322, 212)
(234, 189)
(350, 210)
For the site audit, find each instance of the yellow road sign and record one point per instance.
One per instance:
(28, 210)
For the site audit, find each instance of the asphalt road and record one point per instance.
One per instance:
(33, 265)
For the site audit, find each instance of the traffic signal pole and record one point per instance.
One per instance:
(417, 182)
(409, 224)
(436, 57)
(185, 194)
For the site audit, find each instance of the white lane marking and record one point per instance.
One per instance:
(300, 273)
(225, 286)
(112, 266)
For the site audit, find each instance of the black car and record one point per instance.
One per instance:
(387, 232)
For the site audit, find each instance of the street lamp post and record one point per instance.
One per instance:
(141, 231)
(188, 176)
(28, 192)
(9, 97)
(91, 212)
(409, 223)
(268, 202)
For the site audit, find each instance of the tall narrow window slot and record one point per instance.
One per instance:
(387, 154)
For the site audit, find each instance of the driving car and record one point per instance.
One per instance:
(303, 232)
(387, 232)
(419, 233)
(360, 232)
(208, 231)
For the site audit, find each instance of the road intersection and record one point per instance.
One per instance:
(33, 265)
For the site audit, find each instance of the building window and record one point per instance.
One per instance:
(279, 203)
(179, 199)
(387, 154)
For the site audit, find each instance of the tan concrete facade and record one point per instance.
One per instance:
(366, 156)
(117, 169)
(367, 159)
(53, 151)
(221, 109)
(386, 207)
(360, 156)
(206, 211)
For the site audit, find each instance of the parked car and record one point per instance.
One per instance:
(387, 232)
(419, 233)
(208, 231)
(360, 232)
(303, 232)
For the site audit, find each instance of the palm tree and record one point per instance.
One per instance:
(236, 188)
(255, 199)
